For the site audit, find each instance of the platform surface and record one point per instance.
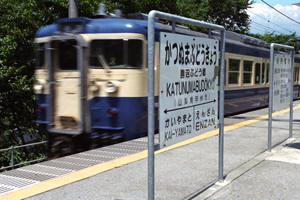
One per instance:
(187, 170)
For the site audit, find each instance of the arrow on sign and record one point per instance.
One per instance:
(166, 111)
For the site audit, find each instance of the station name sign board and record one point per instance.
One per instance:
(282, 91)
(188, 87)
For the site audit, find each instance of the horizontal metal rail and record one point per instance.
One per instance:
(23, 163)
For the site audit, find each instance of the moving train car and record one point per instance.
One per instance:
(91, 78)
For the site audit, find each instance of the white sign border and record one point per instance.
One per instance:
(185, 131)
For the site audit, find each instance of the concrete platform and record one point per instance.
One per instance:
(189, 170)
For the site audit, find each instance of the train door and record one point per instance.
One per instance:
(66, 78)
(296, 80)
(265, 79)
(265, 72)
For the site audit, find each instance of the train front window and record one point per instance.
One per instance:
(118, 53)
(68, 55)
(40, 55)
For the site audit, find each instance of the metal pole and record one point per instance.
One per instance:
(151, 116)
(73, 10)
(151, 34)
(173, 27)
(12, 157)
(292, 96)
(221, 106)
(271, 69)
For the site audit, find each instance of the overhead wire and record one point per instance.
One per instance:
(269, 21)
(280, 17)
(257, 28)
(266, 27)
(283, 18)
(280, 12)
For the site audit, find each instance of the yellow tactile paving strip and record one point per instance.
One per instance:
(97, 169)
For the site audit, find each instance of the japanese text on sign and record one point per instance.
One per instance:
(188, 87)
(190, 54)
(282, 80)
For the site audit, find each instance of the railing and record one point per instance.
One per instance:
(23, 163)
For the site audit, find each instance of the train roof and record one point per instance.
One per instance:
(102, 25)
(137, 23)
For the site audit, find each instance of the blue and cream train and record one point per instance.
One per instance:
(92, 76)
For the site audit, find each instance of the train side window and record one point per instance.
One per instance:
(234, 71)
(257, 73)
(268, 73)
(263, 73)
(247, 74)
(296, 74)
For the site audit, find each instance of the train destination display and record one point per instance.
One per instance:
(188, 99)
(282, 91)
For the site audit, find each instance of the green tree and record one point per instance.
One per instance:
(19, 21)
(229, 13)
(289, 39)
(141, 6)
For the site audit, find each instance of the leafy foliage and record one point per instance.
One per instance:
(19, 21)
(229, 13)
(289, 40)
(140, 6)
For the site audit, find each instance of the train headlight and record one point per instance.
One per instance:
(38, 87)
(111, 86)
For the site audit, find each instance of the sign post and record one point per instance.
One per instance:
(188, 98)
(151, 38)
(281, 86)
